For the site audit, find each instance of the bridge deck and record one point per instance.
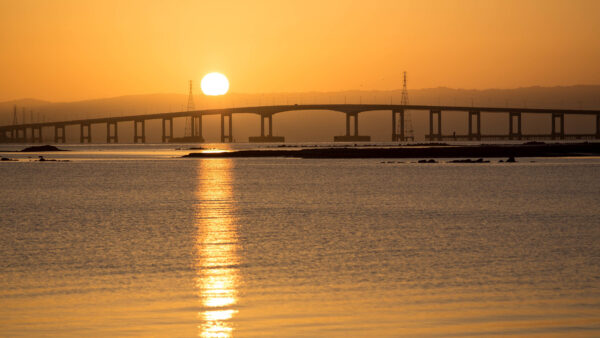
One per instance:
(266, 110)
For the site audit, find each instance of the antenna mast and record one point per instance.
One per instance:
(408, 129)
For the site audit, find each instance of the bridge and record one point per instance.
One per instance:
(32, 132)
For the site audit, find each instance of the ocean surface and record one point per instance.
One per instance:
(124, 240)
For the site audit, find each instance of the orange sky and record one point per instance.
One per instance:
(71, 50)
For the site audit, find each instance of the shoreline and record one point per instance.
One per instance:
(477, 151)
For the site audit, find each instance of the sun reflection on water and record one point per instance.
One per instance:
(217, 244)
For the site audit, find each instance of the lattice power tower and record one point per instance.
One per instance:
(408, 128)
(190, 106)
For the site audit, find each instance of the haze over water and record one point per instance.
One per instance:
(143, 245)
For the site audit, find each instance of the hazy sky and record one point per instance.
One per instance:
(70, 50)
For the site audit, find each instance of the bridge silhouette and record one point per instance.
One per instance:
(32, 132)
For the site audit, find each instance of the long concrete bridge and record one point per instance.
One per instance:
(32, 132)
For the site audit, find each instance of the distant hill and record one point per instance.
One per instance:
(319, 126)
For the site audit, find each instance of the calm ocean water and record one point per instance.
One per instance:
(131, 241)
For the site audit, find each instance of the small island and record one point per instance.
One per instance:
(464, 151)
(47, 147)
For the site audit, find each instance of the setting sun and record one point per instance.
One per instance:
(214, 84)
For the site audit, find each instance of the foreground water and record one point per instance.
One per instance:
(134, 242)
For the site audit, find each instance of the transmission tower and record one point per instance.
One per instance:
(408, 129)
(190, 106)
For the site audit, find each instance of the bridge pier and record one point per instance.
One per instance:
(561, 124)
(29, 134)
(477, 115)
(269, 137)
(112, 137)
(59, 136)
(36, 138)
(167, 138)
(511, 129)
(26, 134)
(83, 136)
(437, 135)
(16, 132)
(6, 136)
(197, 129)
(395, 136)
(597, 126)
(226, 137)
(137, 136)
(22, 135)
(348, 137)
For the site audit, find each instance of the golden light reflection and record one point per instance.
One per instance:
(217, 244)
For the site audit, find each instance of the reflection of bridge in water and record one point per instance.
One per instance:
(32, 132)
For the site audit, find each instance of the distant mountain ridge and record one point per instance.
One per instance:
(575, 97)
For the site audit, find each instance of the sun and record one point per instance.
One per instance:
(214, 84)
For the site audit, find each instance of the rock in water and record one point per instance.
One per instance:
(41, 148)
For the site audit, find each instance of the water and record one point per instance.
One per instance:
(131, 241)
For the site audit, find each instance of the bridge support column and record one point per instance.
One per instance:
(352, 137)
(561, 123)
(437, 135)
(27, 138)
(597, 126)
(6, 136)
(14, 134)
(268, 136)
(398, 130)
(347, 125)
(36, 137)
(511, 127)
(192, 127)
(197, 122)
(17, 135)
(167, 138)
(196, 128)
(394, 135)
(59, 134)
(402, 128)
(226, 137)
(348, 117)
(83, 136)
(137, 138)
(477, 115)
(114, 136)
(22, 135)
